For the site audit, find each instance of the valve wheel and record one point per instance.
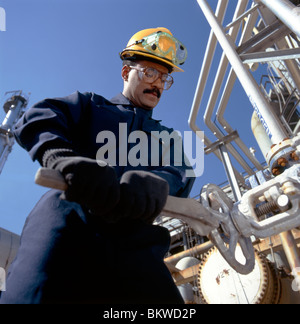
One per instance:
(227, 238)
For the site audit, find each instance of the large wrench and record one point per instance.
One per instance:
(203, 219)
(188, 210)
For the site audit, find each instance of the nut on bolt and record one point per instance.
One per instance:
(294, 156)
(282, 162)
(276, 171)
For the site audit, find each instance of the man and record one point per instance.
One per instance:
(95, 242)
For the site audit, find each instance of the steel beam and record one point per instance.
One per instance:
(263, 57)
(287, 12)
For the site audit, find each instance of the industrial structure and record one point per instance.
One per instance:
(238, 243)
(257, 258)
(14, 107)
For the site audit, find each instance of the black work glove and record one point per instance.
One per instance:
(89, 184)
(143, 196)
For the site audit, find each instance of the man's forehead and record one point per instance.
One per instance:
(154, 65)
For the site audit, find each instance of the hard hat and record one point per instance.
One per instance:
(157, 44)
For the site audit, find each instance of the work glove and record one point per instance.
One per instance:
(143, 196)
(92, 184)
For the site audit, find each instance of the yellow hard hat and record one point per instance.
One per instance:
(157, 44)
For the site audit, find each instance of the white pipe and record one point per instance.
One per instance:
(216, 88)
(228, 90)
(206, 66)
(287, 12)
(260, 135)
(259, 102)
(15, 107)
(291, 65)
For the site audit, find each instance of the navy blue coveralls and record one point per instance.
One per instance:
(67, 256)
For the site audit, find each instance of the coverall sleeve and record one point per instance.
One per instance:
(50, 123)
(180, 185)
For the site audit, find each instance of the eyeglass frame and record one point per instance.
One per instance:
(159, 75)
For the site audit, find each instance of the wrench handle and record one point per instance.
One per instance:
(188, 210)
(51, 179)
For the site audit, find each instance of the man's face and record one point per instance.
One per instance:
(140, 93)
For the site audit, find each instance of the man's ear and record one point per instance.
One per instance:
(125, 72)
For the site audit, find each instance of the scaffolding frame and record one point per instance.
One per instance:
(244, 46)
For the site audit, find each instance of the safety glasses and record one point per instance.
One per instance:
(166, 46)
(150, 75)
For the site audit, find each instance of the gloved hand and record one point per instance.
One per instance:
(89, 184)
(143, 196)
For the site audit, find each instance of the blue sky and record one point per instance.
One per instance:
(52, 48)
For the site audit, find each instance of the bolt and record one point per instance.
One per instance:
(282, 162)
(294, 156)
(283, 203)
(276, 171)
(289, 188)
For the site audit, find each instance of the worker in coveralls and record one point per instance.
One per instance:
(95, 242)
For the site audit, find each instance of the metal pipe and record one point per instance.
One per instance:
(206, 66)
(14, 108)
(243, 16)
(259, 102)
(230, 174)
(260, 135)
(227, 92)
(5, 153)
(292, 67)
(264, 57)
(247, 32)
(287, 12)
(216, 88)
(297, 128)
(292, 253)
(194, 251)
(226, 126)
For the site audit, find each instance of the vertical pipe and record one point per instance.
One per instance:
(292, 253)
(206, 66)
(214, 95)
(287, 12)
(14, 108)
(230, 173)
(259, 102)
(207, 62)
(260, 135)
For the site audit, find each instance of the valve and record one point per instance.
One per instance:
(226, 238)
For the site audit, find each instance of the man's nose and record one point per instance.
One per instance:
(159, 84)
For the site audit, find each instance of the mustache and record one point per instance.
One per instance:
(155, 91)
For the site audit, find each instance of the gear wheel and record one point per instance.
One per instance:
(218, 283)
